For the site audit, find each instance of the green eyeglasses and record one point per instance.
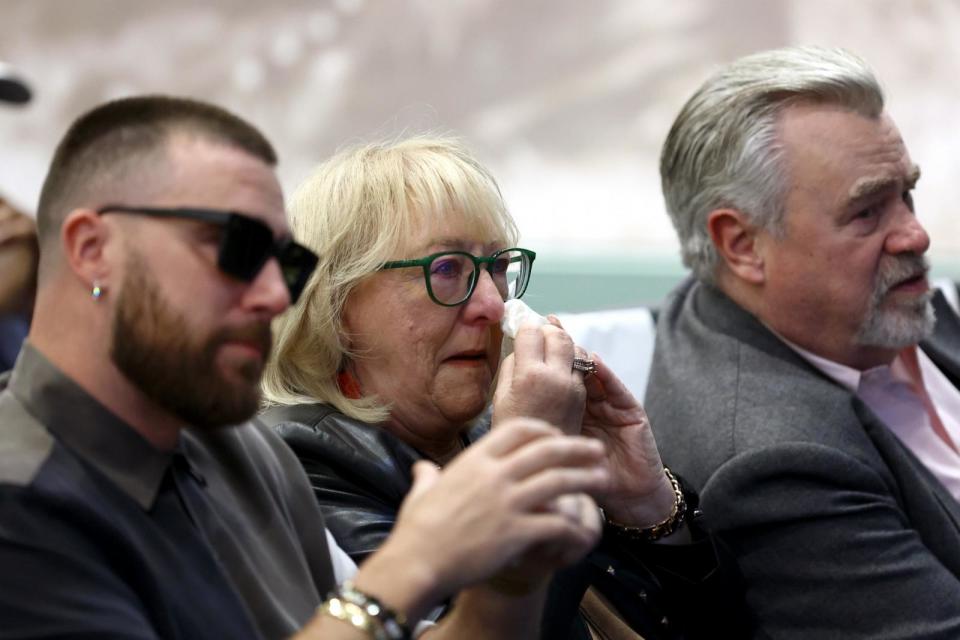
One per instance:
(452, 276)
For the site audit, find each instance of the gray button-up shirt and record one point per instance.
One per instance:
(101, 535)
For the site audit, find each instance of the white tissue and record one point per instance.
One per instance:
(515, 314)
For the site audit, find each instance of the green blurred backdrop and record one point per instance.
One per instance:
(576, 284)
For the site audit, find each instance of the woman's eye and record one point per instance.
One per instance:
(501, 264)
(448, 267)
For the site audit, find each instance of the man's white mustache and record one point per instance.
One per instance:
(894, 270)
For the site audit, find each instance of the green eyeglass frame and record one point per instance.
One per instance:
(448, 286)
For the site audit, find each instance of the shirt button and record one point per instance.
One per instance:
(611, 570)
(643, 595)
(664, 621)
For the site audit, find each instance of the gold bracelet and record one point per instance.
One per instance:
(663, 528)
(353, 615)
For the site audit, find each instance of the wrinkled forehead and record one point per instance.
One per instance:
(836, 149)
(455, 229)
(464, 213)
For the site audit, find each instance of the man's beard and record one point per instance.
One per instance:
(153, 347)
(906, 323)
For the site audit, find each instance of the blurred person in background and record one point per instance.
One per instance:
(19, 253)
(137, 500)
(19, 257)
(391, 359)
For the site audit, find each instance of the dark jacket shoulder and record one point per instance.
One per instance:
(722, 384)
(823, 506)
(360, 472)
(322, 437)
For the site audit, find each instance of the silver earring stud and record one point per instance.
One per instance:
(97, 291)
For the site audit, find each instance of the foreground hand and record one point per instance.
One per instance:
(537, 381)
(492, 504)
(533, 568)
(640, 494)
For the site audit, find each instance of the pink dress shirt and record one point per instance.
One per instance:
(887, 391)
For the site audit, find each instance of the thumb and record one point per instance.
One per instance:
(425, 475)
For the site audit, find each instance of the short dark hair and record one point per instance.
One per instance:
(111, 138)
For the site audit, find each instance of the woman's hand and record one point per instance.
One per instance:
(537, 380)
(500, 499)
(640, 495)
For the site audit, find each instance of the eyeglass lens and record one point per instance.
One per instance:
(245, 247)
(453, 275)
(247, 244)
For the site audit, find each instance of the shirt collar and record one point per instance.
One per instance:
(846, 377)
(89, 429)
(849, 378)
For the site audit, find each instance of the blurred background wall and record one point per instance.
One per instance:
(566, 101)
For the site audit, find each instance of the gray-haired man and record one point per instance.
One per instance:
(787, 382)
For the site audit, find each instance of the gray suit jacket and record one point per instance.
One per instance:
(839, 530)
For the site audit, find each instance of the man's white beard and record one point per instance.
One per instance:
(902, 325)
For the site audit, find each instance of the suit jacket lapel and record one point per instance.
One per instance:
(915, 486)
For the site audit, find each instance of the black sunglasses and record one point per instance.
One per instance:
(246, 244)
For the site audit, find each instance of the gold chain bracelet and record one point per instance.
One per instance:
(663, 528)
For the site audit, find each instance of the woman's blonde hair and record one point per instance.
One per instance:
(357, 211)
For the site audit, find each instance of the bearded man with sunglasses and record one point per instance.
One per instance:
(136, 501)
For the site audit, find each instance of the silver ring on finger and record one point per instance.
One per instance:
(584, 365)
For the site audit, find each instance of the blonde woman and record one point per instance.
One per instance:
(392, 356)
